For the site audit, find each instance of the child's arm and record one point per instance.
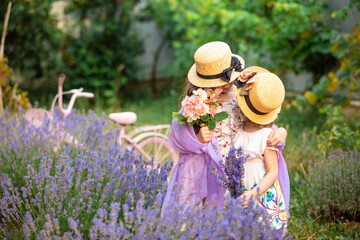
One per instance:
(270, 157)
(277, 137)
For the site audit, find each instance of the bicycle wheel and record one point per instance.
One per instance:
(158, 148)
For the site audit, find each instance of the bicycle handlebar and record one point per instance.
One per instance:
(86, 95)
(75, 93)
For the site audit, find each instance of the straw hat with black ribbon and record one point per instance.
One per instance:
(260, 95)
(215, 65)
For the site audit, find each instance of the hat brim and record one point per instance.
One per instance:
(259, 119)
(258, 69)
(217, 82)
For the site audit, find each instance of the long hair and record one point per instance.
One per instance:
(187, 91)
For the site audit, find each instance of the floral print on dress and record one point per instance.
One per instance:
(226, 129)
(273, 201)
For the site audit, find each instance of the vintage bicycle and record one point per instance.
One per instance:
(37, 116)
(150, 141)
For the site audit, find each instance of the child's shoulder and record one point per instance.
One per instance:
(265, 131)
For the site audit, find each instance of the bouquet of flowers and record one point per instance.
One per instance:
(234, 170)
(201, 109)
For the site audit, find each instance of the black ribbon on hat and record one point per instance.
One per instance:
(225, 75)
(251, 106)
(245, 93)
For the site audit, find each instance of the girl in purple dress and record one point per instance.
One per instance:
(215, 67)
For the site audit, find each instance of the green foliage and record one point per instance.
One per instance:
(301, 117)
(336, 133)
(343, 83)
(333, 187)
(11, 96)
(283, 34)
(101, 54)
(343, 13)
(32, 39)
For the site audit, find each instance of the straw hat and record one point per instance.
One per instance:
(257, 69)
(262, 102)
(215, 65)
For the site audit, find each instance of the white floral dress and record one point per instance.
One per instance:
(226, 129)
(272, 200)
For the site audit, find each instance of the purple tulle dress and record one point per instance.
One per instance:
(192, 176)
(283, 175)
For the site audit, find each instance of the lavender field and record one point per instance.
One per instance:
(96, 189)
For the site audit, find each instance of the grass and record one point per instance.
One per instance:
(149, 110)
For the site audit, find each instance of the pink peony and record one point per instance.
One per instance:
(194, 106)
(208, 91)
(201, 103)
(201, 93)
(212, 110)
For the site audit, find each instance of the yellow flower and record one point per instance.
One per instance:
(333, 84)
(312, 98)
(344, 64)
(334, 47)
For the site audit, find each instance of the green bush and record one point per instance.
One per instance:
(342, 84)
(32, 40)
(284, 35)
(333, 186)
(336, 133)
(102, 55)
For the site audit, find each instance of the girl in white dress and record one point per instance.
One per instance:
(260, 100)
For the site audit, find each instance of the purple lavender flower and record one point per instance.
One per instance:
(98, 190)
(234, 170)
(333, 186)
(181, 222)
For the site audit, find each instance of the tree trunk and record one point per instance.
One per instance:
(2, 46)
(154, 88)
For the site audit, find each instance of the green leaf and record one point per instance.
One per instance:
(181, 122)
(343, 74)
(221, 116)
(320, 90)
(176, 115)
(357, 72)
(205, 118)
(202, 125)
(211, 124)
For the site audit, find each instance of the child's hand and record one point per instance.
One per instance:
(277, 136)
(204, 135)
(246, 196)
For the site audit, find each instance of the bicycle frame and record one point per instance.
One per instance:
(36, 116)
(75, 94)
(132, 143)
(145, 133)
